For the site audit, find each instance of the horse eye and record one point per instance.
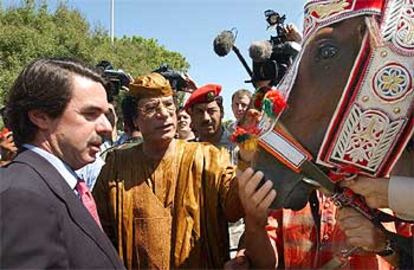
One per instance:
(327, 51)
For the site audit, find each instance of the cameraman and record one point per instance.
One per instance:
(273, 57)
(8, 149)
(293, 34)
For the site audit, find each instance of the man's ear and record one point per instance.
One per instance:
(40, 119)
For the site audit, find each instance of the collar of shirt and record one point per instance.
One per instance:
(65, 171)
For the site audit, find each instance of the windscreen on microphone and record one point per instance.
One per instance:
(224, 43)
(260, 51)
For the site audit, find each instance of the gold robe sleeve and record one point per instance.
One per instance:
(114, 205)
(102, 198)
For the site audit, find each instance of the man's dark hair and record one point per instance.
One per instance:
(129, 111)
(241, 92)
(46, 85)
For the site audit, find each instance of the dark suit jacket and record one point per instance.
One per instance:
(43, 224)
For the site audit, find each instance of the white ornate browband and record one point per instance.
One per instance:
(373, 120)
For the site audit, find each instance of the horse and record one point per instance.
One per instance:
(323, 72)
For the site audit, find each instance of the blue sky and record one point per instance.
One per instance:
(190, 26)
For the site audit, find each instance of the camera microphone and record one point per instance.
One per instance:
(260, 51)
(223, 43)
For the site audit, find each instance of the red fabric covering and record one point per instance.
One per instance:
(206, 93)
(322, 13)
(299, 246)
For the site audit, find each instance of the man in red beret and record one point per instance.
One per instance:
(205, 105)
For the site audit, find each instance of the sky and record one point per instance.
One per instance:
(189, 27)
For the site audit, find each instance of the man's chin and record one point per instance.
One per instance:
(167, 135)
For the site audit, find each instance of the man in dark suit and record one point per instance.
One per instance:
(56, 111)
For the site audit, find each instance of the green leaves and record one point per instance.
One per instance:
(32, 30)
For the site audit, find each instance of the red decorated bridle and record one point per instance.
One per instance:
(373, 121)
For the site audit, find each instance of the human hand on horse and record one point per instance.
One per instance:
(360, 232)
(255, 196)
(375, 190)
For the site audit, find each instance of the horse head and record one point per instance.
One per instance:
(329, 62)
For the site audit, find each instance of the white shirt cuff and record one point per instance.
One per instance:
(401, 196)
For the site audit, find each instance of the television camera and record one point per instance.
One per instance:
(272, 58)
(116, 79)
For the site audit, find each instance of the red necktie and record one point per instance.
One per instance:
(87, 199)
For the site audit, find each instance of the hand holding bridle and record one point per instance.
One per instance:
(375, 191)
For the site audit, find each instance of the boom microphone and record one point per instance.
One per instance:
(260, 51)
(223, 43)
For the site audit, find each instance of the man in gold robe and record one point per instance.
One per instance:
(165, 203)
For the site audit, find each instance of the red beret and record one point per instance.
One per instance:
(204, 94)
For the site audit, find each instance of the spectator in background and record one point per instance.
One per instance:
(205, 105)
(240, 102)
(131, 130)
(184, 131)
(8, 149)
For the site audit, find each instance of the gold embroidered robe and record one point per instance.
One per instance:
(172, 214)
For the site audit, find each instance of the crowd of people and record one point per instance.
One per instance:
(164, 191)
(170, 191)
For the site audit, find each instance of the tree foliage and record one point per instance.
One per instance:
(31, 30)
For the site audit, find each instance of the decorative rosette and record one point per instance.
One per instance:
(245, 138)
(266, 100)
(258, 97)
(273, 103)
